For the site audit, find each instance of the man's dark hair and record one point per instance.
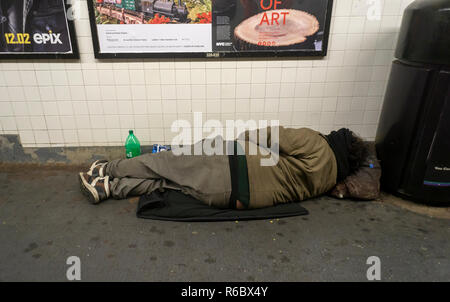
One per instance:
(350, 151)
(358, 152)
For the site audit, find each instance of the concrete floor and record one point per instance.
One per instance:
(44, 219)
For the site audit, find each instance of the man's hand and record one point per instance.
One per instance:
(340, 190)
(239, 205)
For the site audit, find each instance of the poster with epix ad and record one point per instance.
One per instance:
(37, 29)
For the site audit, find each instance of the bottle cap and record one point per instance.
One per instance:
(130, 132)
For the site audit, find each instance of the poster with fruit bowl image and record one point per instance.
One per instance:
(142, 28)
(209, 28)
(153, 11)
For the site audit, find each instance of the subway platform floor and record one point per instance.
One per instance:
(44, 219)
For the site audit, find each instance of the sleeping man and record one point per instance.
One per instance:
(307, 164)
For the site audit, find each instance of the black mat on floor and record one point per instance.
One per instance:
(176, 206)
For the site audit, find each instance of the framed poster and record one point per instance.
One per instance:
(209, 28)
(34, 29)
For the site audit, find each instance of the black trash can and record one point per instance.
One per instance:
(413, 136)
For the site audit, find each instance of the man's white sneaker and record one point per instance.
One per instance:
(97, 168)
(96, 189)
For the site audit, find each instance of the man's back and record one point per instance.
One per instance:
(306, 168)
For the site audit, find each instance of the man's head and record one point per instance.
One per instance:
(350, 151)
(358, 152)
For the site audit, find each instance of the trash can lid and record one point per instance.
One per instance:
(425, 32)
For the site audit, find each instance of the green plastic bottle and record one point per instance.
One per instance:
(132, 145)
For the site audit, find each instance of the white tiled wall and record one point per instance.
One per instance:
(95, 102)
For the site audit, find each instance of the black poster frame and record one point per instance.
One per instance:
(72, 36)
(273, 54)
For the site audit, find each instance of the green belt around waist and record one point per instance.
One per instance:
(239, 177)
